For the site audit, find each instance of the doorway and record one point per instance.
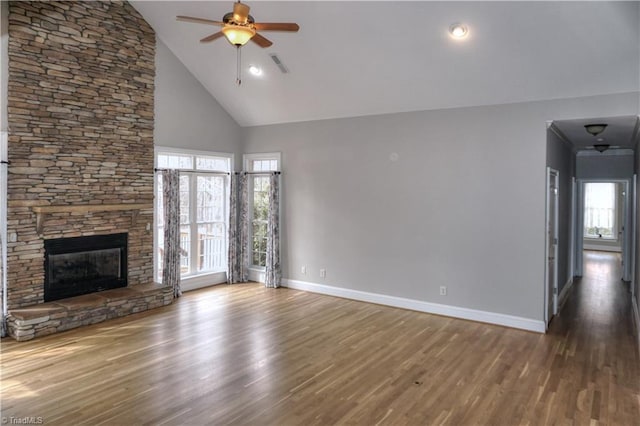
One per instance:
(604, 221)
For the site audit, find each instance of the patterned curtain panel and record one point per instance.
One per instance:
(3, 235)
(233, 255)
(273, 272)
(243, 228)
(171, 198)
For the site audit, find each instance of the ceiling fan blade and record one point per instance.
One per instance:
(198, 20)
(276, 26)
(261, 41)
(212, 37)
(240, 12)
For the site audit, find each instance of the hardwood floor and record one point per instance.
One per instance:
(244, 354)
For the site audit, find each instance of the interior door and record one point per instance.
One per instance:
(552, 245)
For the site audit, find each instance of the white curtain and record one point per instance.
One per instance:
(273, 274)
(171, 207)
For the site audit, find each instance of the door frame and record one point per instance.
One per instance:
(573, 227)
(633, 231)
(626, 245)
(551, 175)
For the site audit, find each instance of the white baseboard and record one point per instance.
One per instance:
(636, 317)
(202, 281)
(257, 275)
(420, 306)
(598, 247)
(564, 294)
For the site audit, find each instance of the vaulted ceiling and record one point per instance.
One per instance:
(362, 58)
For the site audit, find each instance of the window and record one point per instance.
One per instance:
(600, 210)
(203, 211)
(259, 203)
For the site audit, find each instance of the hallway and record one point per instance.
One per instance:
(596, 328)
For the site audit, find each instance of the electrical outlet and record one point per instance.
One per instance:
(303, 270)
(443, 290)
(323, 273)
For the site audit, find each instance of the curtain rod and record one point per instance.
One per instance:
(260, 173)
(194, 171)
(218, 173)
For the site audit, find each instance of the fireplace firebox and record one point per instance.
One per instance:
(83, 265)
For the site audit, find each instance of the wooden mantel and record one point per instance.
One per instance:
(42, 211)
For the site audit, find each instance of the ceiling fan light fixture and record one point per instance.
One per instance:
(240, 12)
(458, 31)
(595, 129)
(601, 147)
(238, 35)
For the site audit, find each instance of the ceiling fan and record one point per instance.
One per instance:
(238, 27)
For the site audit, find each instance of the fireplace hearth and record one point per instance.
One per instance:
(83, 265)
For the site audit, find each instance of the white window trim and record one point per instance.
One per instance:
(158, 150)
(616, 238)
(170, 150)
(248, 158)
(256, 273)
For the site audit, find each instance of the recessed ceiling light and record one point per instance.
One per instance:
(458, 31)
(257, 71)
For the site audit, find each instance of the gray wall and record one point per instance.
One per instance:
(604, 166)
(561, 158)
(186, 115)
(463, 205)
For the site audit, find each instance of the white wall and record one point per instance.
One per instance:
(462, 206)
(186, 115)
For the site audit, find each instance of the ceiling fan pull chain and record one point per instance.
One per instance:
(238, 67)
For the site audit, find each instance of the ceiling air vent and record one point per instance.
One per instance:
(279, 63)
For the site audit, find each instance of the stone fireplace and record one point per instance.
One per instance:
(80, 116)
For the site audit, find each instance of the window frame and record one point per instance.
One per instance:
(193, 223)
(247, 163)
(615, 226)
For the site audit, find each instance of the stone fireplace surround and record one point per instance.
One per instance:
(80, 124)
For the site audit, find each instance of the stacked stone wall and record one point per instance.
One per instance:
(80, 116)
